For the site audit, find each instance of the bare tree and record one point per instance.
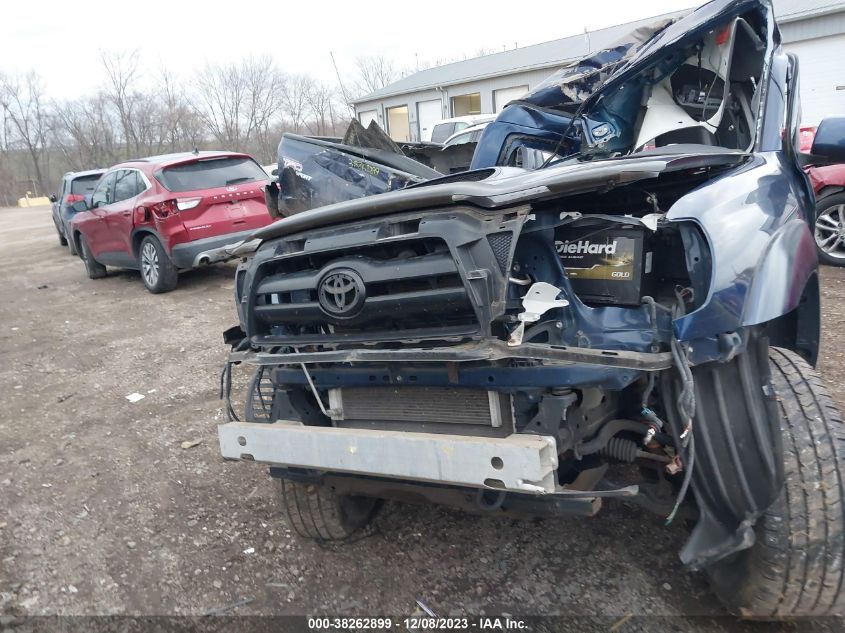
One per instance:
(85, 133)
(22, 100)
(374, 73)
(295, 100)
(122, 77)
(6, 189)
(243, 106)
(237, 101)
(321, 100)
(180, 126)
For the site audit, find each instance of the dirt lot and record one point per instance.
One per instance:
(103, 512)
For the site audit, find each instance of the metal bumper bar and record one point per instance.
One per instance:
(518, 463)
(487, 350)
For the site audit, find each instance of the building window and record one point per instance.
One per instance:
(462, 105)
(398, 126)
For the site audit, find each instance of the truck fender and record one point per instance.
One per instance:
(786, 265)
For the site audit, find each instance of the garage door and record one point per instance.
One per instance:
(368, 115)
(503, 96)
(822, 77)
(428, 113)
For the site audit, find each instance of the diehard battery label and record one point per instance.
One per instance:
(608, 260)
(605, 264)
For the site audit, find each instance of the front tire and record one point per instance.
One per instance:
(94, 268)
(318, 512)
(830, 229)
(795, 567)
(157, 271)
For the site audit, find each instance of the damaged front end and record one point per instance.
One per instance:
(514, 336)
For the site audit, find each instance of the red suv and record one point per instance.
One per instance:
(828, 183)
(169, 213)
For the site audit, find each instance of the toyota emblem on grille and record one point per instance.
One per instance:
(341, 293)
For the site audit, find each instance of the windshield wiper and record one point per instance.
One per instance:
(235, 181)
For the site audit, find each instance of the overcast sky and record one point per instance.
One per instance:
(62, 39)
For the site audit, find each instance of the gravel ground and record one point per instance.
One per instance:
(102, 510)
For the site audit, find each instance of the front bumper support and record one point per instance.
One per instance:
(484, 350)
(518, 463)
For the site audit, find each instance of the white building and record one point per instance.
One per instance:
(813, 29)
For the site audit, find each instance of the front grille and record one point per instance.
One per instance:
(420, 405)
(407, 289)
(500, 243)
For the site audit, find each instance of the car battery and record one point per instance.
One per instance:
(606, 263)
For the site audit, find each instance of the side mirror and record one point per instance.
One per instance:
(829, 142)
(53, 198)
(79, 205)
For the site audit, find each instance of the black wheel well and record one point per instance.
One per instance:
(799, 330)
(828, 190)
(138, 237)
(75, 237)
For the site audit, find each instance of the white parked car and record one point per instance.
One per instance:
(442, 130)
(467, 135)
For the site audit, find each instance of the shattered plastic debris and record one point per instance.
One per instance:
(190, 443)
(249, 550)
(135, 397)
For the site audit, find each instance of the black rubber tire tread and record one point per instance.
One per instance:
(315, 511)
(795, 568)
(94, 268)
(822, 204)
(168, 274)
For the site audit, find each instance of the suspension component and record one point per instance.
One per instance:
(620, 449)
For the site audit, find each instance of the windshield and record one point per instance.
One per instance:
(691, 81)
(210, 173)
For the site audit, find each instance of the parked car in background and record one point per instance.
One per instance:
(73, 187)
(467, 135)
(828, 183)
(442, 130)
(169, 213)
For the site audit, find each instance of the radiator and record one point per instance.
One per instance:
(420, 404)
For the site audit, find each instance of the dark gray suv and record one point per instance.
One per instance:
(74, 187)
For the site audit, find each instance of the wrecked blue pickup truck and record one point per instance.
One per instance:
(619, 301)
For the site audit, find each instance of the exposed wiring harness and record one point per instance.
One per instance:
(686, 397)
(685, 403)
(226, 383)
(656, 423)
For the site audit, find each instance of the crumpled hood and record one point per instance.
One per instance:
(502, 187)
